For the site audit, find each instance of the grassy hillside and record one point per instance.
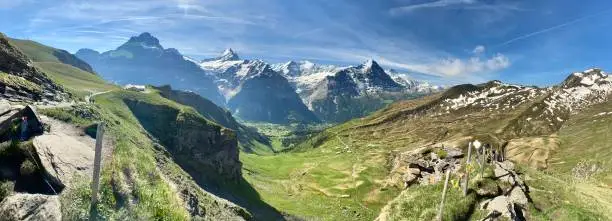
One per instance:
(77, 81)
(341, 173)
(579, 172)
(141, 181)
(69, 71)
(42, 53)
(339, 180)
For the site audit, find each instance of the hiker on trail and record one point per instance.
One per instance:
(24, 128)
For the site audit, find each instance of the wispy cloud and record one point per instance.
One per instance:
(479, 50)
(432, 4)
(12, 3)
(559, 26)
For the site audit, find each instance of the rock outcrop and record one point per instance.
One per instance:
(204, 149)
(513, 202)
(63, 157)
(21, 81)
(424, 166)
(30, 207)
(217, 114)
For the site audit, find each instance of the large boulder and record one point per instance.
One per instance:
(63, 157)
(30, 207)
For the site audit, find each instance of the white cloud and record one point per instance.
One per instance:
(434, 4)
(473, 65)
(479, 49)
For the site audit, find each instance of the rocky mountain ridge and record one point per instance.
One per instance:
(367, 85)
(143, 60)
(233, 82)
(254, 91)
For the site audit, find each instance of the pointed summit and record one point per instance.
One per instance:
(585, 78)
(229, 55)
(371, 66)
(144, 40)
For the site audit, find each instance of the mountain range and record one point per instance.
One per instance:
(142, 60)
(173, 154)
(255, 90)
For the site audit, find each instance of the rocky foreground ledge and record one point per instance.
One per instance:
(60, 153)
(498, 192)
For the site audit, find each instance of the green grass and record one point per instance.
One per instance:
(560, 199)
(6, 189)
(325, 183)
(132, 172)
(19, 82)
(422, 203)
(135, 184)
(36, 51)
(77, 81)
(282, 137)
(586, 140)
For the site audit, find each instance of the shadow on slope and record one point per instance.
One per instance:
(249, 137)
(205, 150)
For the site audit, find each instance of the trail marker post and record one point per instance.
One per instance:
(467, 169)
(480, 156)
(492, 155)
(439, 218)
(95, 184)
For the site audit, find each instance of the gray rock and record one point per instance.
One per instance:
(5, 106)
(519, 197)
(414, 171)
(441, 166)
(498, 204)
(409, 179)
(453, 152)
(30, 207)
(63, 157)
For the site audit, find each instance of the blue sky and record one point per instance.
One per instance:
(528, 42)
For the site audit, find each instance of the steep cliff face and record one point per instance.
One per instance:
(246, 136)
(206, 151)
(205, 107)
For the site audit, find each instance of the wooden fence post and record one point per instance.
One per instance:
(492, 154)
(467, 170)
(97, 165)
(484, 151)
(444, 194)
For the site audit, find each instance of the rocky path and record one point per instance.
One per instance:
(65, 152)
(61, 129)
(88, 98)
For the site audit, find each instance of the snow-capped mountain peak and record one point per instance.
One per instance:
(369, 64)
(228, 59)
(229, 55)
(586, 78)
